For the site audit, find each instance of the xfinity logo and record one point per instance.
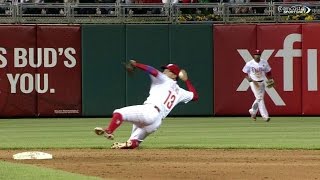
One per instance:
(287, 54)
(297, 9)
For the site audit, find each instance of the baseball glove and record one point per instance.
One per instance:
(128, 67)
(270, 83)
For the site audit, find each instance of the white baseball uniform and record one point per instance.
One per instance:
(164, 95)
(257, 72)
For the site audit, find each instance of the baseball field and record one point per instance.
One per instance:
(183, 148)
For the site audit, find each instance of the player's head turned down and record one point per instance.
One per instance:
(171, 70)
(256, 55)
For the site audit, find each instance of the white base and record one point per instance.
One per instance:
(32, 155)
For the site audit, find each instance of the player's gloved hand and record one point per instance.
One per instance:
(129, 66)
(133, 62)
(270, 83)
(183, 75)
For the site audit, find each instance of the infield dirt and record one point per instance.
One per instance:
(182, 163)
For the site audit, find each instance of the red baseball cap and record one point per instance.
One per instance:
(256, 52)
(173, 68)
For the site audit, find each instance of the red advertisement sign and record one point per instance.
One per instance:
(310, 69)
(60, 72)
(17, 97)
(280, 46)
(40, 71)
(228, 39)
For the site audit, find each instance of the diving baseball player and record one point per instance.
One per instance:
(164, 95)
(258, 70)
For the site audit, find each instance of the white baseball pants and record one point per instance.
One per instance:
(145, 119)
(258, 104)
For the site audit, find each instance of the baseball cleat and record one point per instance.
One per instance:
(267, 119)
(100, 131)
(253, 116)
(124, 145)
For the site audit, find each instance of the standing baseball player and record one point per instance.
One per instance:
(257, 71)
(164, 95)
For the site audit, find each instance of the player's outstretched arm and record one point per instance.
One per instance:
(184, 77)
(149, 69)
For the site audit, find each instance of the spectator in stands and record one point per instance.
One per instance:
(32, 10)
(258, 10)
(53, 10)
(105, 10)
(128, 11)
(144, 10)
(44, 10)
(87, 10)
(153, 10)
(240, 9)
(2, 10)
(207, 11)
(188, 10)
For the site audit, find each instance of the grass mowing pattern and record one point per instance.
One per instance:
(10, 171)
(233, 132)
(280, 133)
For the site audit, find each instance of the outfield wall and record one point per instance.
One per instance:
(77, 71)
(40, 70)
(292, 52)
(63, 70)
(189, 46)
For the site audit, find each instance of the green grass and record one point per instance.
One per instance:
(11, 171)
(233, 132)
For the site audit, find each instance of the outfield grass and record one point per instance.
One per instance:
(234, 132)
(280, 133)
(26, 172)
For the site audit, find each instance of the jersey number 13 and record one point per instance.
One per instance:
(170, 100)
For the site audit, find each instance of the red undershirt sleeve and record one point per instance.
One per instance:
(192, 89)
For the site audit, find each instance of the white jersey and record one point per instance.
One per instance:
(165, 93)
(257, 71)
